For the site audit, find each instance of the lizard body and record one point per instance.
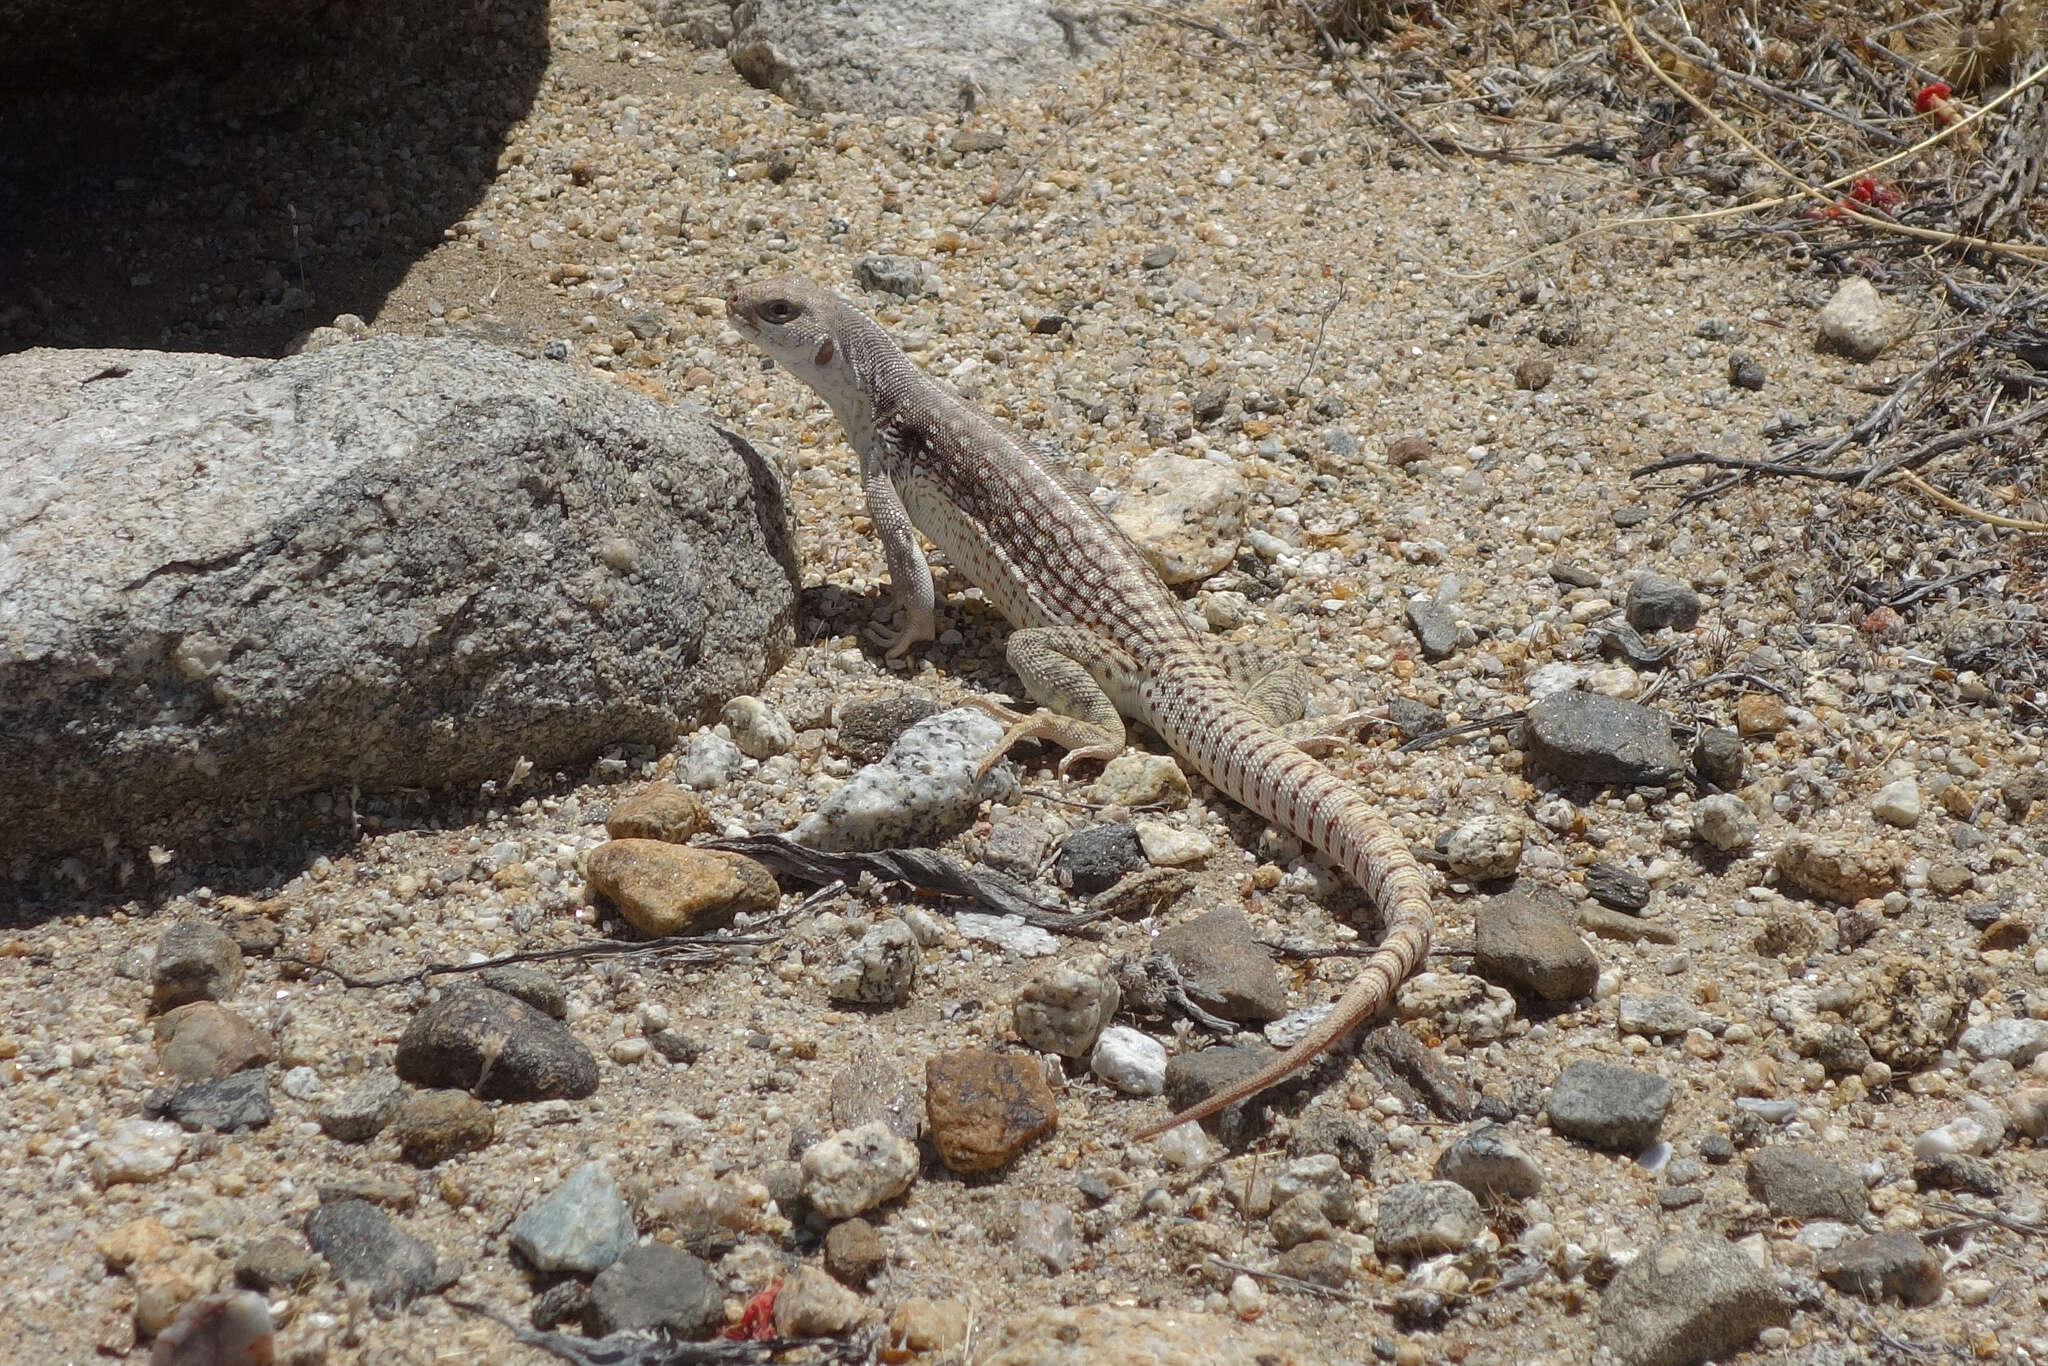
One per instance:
(1098, 635)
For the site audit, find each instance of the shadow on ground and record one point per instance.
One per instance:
(232, 208)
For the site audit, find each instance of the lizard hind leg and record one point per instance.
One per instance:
(1064, 670)
(1275, 689)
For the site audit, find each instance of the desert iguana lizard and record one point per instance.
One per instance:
(1098, 636)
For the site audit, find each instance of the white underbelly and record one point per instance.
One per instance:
(969, 552)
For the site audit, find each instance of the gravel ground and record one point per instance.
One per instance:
(1199, 215)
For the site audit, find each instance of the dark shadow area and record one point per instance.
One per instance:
(232, 200)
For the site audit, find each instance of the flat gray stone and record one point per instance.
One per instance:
(1224, 967)
(230, 1105)
(362, 1109)
(1685, 1300)
(393, 563)
(1435, 627)
(2018, 1042)
(1585, 737)
(655, 1287)
(1655, 1016)
(1655, 602)
(476, 1039)
(1609, 1106)
(1801, 1185)
(1610, 884)
(1894, 1266)
(582, 1227)
(1532, 946)
(368, 1251)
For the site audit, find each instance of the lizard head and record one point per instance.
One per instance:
(803, 326)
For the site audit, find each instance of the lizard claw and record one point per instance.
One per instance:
(1101, 753)
(918, 627)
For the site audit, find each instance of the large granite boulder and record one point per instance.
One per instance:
(397, 563)
(906, 57)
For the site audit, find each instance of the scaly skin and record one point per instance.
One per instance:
(1099, 635)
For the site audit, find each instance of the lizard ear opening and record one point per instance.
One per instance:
(824, 356)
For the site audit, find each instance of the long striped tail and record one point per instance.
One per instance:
(1259, 769)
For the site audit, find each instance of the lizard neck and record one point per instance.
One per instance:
(873, 379)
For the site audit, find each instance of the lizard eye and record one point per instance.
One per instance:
(780, 311)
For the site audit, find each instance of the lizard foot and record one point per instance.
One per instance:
(1326, 734)
(918, 627)
(1082, 741)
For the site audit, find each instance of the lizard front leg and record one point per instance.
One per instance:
(1063, 669)
(909, 574)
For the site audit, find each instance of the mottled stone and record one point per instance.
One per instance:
(1223, 966)
(866, 727)
(1525, 944)
(1423, 1218)
(1655, 602)
(1585, 737)
(1801, 1185)
(503, 1049)
(1838, 870)
(1610, 884)
(195, 961)
(367, 1251)
(1894, 1266)
(1490, 1164)
(1065, 1006)
(278, 1262)
(654, 1287)
(1609, 1106)
(1095, 857)
(663, 889)
(361, 1110)
(231, 1104)
(854, 1170)
(658, 811)
(812, 1304)
(985, 1107)
(434, 1126)
(1685, 1300)
(203, 1041)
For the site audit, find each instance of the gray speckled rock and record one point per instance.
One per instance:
(1609, 1106)
(921, 792)
(1488, 1163)
(655, 1286)
(367, 1250)
(399, 563)
(1584, 737)
(362, 1109)
(1685, 1300)
(1655, 602)
(1423, 1218)
(1802, 1185)
(229, 1105)
(1886, 1265)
